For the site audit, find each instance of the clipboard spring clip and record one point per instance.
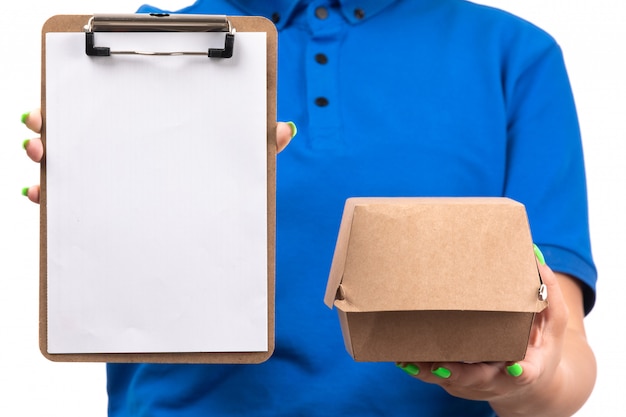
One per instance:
(159, 22)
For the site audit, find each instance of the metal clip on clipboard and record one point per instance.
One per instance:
(159, 22)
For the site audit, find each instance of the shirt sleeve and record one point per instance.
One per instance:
(545, 161)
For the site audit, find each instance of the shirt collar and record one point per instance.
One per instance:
(280, 11)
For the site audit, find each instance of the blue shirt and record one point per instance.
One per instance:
(391, 98)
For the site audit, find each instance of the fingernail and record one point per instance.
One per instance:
(25, 191)
(410, 369)
(515, 370)
(294, 129)
(25, 117)
(539, 255)
(25, 143)
(442, 372)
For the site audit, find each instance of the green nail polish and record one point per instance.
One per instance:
(442, 372)
(410, 369)
(294, 129)
(25, 117)
(539, 255)
(25, 191)
(515, 370)
(25, 143)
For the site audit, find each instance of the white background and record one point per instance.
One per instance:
(593, 37)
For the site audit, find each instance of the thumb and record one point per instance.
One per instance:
(553, 320)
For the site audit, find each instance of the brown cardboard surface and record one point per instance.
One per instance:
(434, 279)
(76, 23)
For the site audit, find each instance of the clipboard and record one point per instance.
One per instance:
(158, 188)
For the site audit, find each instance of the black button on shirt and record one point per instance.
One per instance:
(321, 101)
(321, 13)
(321, 58)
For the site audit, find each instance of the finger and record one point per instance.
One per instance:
(32, 193)
(285, 131)
(34, 149)
(478, 381)
(33, 120)
(556, 315)
(461, 374)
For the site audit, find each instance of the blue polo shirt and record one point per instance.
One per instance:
(391, 98)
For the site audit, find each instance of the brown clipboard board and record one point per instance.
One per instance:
(155, 23)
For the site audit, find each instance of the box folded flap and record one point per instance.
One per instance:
(401, 254)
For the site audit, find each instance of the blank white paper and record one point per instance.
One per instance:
(156, 195)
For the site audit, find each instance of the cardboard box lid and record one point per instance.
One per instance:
(400, 254)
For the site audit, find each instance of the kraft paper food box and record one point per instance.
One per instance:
(435, 279)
